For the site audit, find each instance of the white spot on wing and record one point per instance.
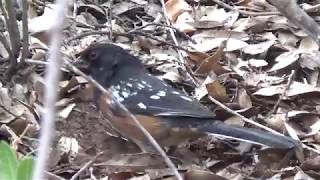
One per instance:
(142, 106)
(186, 98)
(154, 97)
(175, 92)
(140, 86)
(161, 93)
(129, 84)
(125, 94)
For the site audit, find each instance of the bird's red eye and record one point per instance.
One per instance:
(93, 56)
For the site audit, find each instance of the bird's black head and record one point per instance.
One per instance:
(102, 61)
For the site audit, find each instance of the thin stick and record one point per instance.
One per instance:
(181, 58)
(77, 174)
(52, 78)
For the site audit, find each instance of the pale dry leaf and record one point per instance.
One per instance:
(251, 63)
(217, 15)
(258, 48)
(68, 146)
(210, 44)
(241, 24)
(235, 120)
(308, 45)
(45, 21)
(32, 11)
(261, 79)
(184, 23)
(295, 113)
(201, 91)
(122, 7)
(176, 7)
(287, 39)
(276, 121)
(296, 88)
(5, 99)
(285, 59)
(65, 112)
(206, 24)
(302, 175)
(140, 2)
(244, 99)
(233, 16)
(315, 127)
(3, 51)
(213, 34)
(172, 76)
(310, 61)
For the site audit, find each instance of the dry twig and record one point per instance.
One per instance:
(52, 78)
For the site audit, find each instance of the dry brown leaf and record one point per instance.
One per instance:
(212, 63)
(197, 57)
(176, 7)
(217, 91)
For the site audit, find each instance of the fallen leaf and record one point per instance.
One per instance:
(284, 60)
(217, 91)
(176, 7)
(296, 88)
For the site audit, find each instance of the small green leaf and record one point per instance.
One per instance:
(25, 168)
(8, 162)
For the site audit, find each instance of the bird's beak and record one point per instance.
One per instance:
(82, 65)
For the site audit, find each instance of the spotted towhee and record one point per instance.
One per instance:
(168, 114)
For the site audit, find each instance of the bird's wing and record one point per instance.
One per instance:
(149, 95)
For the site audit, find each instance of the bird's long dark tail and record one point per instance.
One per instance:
(248, 134)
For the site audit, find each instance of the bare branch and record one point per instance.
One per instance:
(52, 78)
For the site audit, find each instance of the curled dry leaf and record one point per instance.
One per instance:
(176, 7)
(217, 91)
(212, 63)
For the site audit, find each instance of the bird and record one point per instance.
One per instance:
(168, 114)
